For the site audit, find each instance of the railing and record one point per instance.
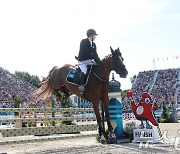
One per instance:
(38, 122)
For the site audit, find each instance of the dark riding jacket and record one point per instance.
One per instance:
(87, 52)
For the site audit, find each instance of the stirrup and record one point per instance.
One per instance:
(81, 88)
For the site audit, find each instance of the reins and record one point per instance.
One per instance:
(91, 70)
(98, 76)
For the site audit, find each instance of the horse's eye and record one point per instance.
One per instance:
(147, 100)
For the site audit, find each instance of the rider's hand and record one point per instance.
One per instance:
(99, 62)
(93, 61)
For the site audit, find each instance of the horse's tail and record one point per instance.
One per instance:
(46, 88)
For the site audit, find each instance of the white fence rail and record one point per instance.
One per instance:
(39, 122)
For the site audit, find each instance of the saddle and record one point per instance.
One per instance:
(74, 76)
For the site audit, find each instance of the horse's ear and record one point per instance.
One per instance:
(119, 51)
(111, 50)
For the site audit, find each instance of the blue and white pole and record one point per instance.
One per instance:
(115, 107)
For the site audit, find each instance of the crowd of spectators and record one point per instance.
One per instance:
(165, 85)
(178, 98)
(12, 87)
(161, 84)
(5, 104)
(142, 83)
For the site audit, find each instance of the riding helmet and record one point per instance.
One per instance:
(91, 32)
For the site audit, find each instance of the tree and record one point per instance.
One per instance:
(32, 79)
(66, 104)
(17, 104)
(165, 116)
(123, 94)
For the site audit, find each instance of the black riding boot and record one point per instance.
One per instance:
(82, 82)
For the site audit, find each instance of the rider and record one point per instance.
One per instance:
(87, 55)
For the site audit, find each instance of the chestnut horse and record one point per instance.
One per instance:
(96, 89)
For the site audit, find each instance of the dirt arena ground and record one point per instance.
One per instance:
(89, 145)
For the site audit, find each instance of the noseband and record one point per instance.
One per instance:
(116, 67)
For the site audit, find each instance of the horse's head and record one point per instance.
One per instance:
(117, 63)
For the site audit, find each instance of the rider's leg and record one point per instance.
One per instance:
(82, 82)
(83, 68)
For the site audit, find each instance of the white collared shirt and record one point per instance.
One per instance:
(90, 42)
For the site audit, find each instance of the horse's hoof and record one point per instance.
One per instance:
(102, 141)
(112, 140)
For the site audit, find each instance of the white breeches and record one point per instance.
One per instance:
(83, 64)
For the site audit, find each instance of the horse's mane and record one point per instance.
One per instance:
(104, 62)
(107, 57)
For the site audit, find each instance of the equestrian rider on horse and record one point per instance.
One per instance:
(87, 55)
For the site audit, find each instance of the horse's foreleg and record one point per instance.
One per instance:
(105, 102)
(96, 110)
(99, 122)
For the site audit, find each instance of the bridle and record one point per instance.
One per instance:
(91, 70)
(116, 67)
